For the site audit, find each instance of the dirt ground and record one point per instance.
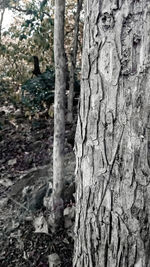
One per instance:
(26, 165)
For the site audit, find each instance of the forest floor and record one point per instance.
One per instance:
(25, 172)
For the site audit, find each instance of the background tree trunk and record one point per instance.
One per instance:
(59, 107)
(73, 62)
(36, 71)
(2, 11)
(113, 137)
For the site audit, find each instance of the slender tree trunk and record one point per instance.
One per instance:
(112, 227)
(59, 107)
(2, 11)
(73, 62)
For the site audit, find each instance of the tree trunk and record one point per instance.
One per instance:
(73, 63)
(36, 71)
(59, 107)
(2, 11)
(112, 227)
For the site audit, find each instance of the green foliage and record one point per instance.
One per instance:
(38, 93)
(31, 34)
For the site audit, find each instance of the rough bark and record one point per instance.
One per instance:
(112, 227)
(73, 62)
(59, 112)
